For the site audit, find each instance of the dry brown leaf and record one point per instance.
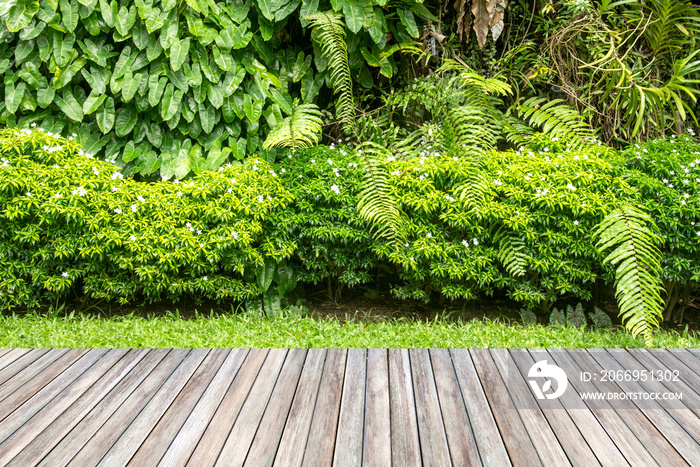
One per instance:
(497, 10)
(459, 7)
(481, 21)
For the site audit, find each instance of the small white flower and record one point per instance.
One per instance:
(575, 222)
(140, 198)
(29, 193)
(497, 182)
(179, 194)
(58, 195)
(234, 235)
(95, 171)
(429, 235)
(205, 278)
(455, 158)
(199, 232)
(430, 131)
(261, 198)
(64, 274)
(475, 241)
(118, 211)
(665, 180)
(272, 172)
(390, 159)
(465, 243)
(282, 170)
(188, 225)
(335, 188)
(134, 208)
(229, 190)
(33, 125)
(571, 187)
(132, 238)
(686, 196)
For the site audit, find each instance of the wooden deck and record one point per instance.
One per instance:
(336, 407)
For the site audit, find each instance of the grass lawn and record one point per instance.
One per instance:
(242, 330)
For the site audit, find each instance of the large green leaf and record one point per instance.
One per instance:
(266, 8)
(125, 20)
(63, 48)
(125, 121)
(126, 59)
(300, 67)
(216, 95)
(22, 51)
(130, 85)
(154, 49)
(408, 20)
(14, 95)
(105, 116)
(216, 157)
(69, 14)
(65, 75)
(21, 14)
(252, 108)
(45, 94)
(224, 60)
(282, 13)
(358, 13)
(178, 53)
(170, 105)
(69, 105)
(232, 81)
(93, 102)
(154, 133)
(206, 117)
(182, 160)
(265, 274)
(156, 86)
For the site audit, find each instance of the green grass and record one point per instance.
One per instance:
(241, 330)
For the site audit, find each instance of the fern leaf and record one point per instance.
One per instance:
(510, 252)
(299, 130)
(377, 204)
(638, 288)
(557, 120)
(329, 31)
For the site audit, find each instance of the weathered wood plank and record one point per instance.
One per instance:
(42, 387)
(572, 441)
(349, 437)
(186, 440)
(377, 446)
(157, 442)
(491, 449)
(28, 357)
(133, 436)
(431, 431)
(685, 373)
(454, 414)
(290, 452)
(321, 441)
(26, 370)
(262, 451)
(66, 448)
(517, 426)
(669, 427)
(238, 442)
(214, 437)
(21, 428)
(405, 445)
(106, 435)
(624, 438)
(9, 356)
(643, 428)
(42, 443)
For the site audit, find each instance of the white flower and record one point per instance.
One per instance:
(229, 190)
(282, 170)
(179, 193)
(116, 175)
(261, 198)
(95, 171)
(58, 195)
(234, 235)
(571, 187)
(272, 172)
(33, 125)
(29, 193)
(497, 182)
(313, 161)
(390, 159)
(526, 178)
(429, 235)
(134, 208)
(475, 241)
(188, 225)
(499, 172)
(64, 274)
(199, 232)
(396, 173)
(465, 243)
(575, 222)
(455, 158)
(665, 180)
(140, 198)
(205, 278)
(686, 196)
(430, 131)
(335, 188)
(80, 191)
(132, 238)
(118, 211)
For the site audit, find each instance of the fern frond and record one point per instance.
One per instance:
(471, 78)
(299, 130)
(377, 204)
(556, 119)
(637, 284)
(471, 128)
(329, 31)
(473, 190)
(510, 247)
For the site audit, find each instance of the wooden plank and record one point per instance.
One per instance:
(669, 427)
(405, 445)
(10, 356)
(296, 430)
(130, 439)
(685, 373)
(31, 368)
(458, 430)
(676, 408)
(572, 441)
(431, 431)
(321, 442)
(691, 399)
(157, 442)
(104, 411)
(643, 428)
(24, 359)
(349, 437)
(52, 435)
(588, 425)
(17, 434)
(218, 429)
(107, 420)
(524, 436)
(236, 448)
(491, 449)
(377, 446)
(264, 448)
(187, 438)
(2, 355)
(689, 359)
(624, 438)
(45, 385)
